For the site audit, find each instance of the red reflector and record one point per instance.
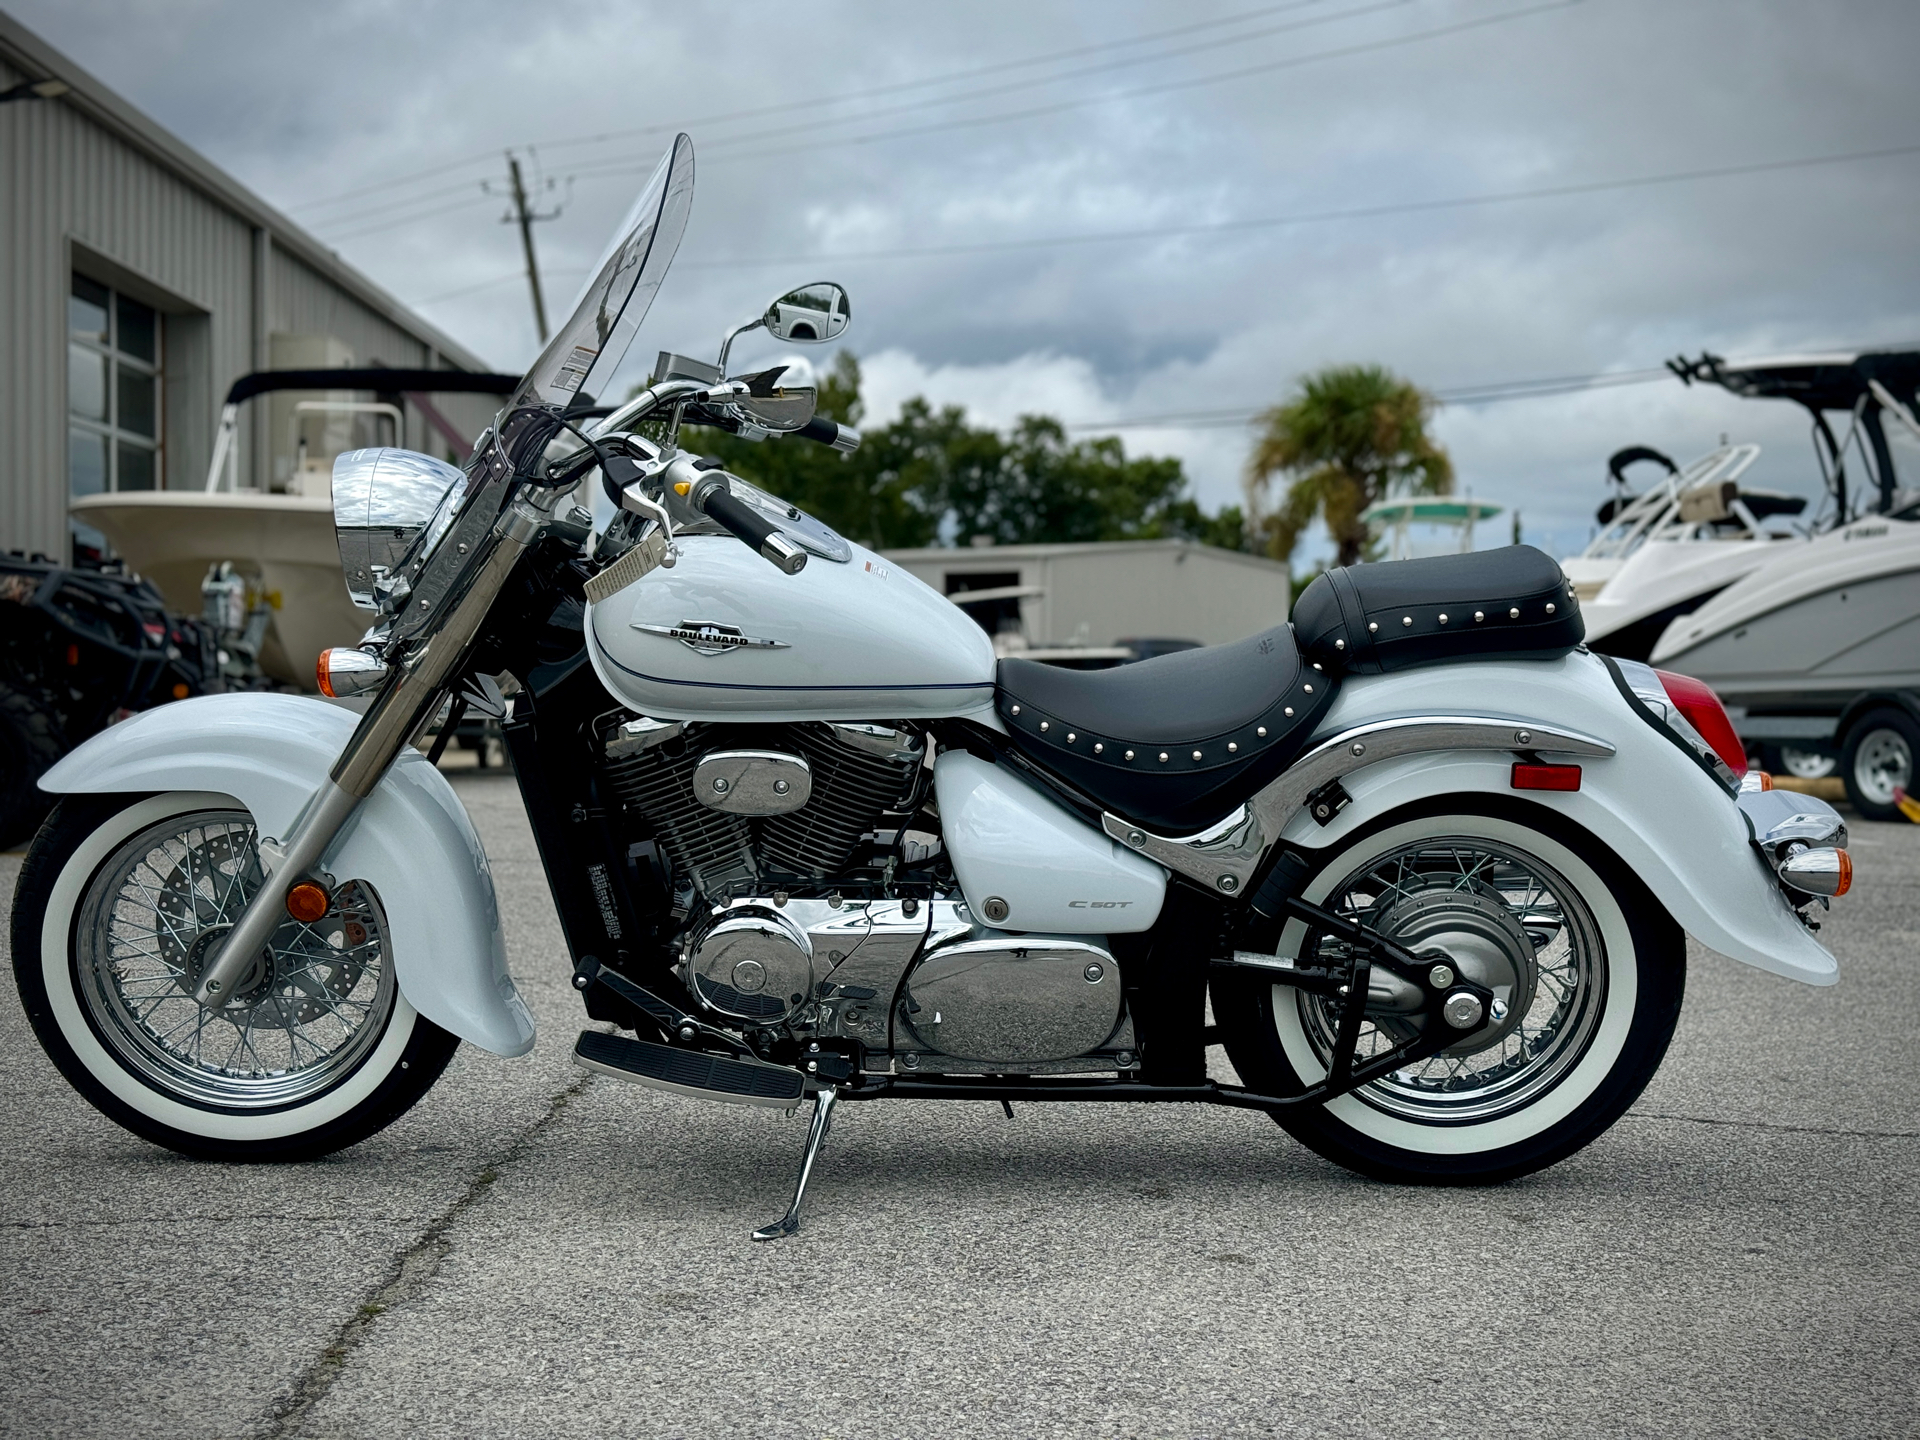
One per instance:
(1696, 700)
(1545, 777)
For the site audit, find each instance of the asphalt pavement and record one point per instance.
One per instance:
(531, 1252)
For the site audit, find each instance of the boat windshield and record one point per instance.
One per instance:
(1658, 513)
(584, 352)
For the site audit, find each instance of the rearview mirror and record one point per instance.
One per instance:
(809, 315)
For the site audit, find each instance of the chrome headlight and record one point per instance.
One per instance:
(385, 503)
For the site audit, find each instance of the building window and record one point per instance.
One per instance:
(113, 391)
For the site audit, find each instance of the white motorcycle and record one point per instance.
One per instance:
(1428, 859)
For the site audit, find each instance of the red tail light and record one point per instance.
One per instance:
(1696, 700)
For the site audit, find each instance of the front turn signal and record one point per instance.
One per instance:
(340, 672)
(308, 901)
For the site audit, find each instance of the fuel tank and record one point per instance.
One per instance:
(723, 635)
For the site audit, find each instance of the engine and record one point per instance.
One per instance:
(737, 807)
(808, 913)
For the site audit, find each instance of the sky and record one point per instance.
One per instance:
(1125, 211)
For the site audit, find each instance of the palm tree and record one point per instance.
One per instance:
(1350, 436)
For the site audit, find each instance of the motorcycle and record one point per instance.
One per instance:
(1418, 860)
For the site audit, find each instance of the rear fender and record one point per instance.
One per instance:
(1673, 826)
(410, 840)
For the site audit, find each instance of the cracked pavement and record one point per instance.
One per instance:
(531, 1251)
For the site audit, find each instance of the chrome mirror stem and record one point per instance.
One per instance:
(734, 334)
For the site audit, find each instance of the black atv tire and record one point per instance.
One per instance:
(31, 739)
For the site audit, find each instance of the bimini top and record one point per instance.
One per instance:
(1835, 381)
(1428, 510)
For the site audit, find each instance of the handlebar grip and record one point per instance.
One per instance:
(751, 526)
(823, 431)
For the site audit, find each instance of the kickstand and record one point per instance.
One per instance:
(816, 1132)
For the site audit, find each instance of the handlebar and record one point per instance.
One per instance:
(710, 495)
(823, 431)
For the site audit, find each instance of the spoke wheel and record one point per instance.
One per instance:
(123, 902)
(1499, 917)
(1586, 968)
(301, 1017)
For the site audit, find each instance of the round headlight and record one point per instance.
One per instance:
(387, 503)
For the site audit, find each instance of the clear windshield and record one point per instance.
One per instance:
(585, 351)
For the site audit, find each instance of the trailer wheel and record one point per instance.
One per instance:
(1878, 758)
(31, 739)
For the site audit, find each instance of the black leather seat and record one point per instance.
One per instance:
(1513, 604)
(1173, 743)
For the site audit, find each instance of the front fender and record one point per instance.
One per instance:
(410, 840)
(1658, 811)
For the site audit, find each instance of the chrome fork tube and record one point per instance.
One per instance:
(403, 708)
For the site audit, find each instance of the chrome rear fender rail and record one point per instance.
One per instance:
(1225, 856)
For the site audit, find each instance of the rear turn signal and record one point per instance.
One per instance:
(1826, 871)
(1695, 700)
(1545, 777)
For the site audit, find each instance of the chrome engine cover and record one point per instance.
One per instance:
(755, 964)
(1016, 1000)
(752, 782)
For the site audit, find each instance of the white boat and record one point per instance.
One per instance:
(1664, 554)
(282, 543)
(1817, 657)
(1819, 624)
(1392, 519)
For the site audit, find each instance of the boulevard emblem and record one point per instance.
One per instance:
(703, 637)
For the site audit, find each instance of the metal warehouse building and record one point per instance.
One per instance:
(1060, 596)
(137, 282)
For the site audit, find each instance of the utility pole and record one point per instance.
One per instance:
(527, 217)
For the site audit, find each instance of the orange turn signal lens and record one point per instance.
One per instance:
(1766, 780)
(307, 902)
(322, 674)
(1846, 875)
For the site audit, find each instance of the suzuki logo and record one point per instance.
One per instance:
(704, 637)
(1098, 904)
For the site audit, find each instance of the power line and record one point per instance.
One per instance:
(1362, 212)
(1483, 394)
(479, 285)
(1245, 72)
(471, 200)
(836, 99)
(1174, 54)
(614, 168)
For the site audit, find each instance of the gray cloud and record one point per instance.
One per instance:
(305, 103)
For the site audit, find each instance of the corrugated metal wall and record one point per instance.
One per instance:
(72, 193)
(305, 304)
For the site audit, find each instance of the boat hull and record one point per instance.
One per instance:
(1837, 617)
(285, 541)
(1664, 580)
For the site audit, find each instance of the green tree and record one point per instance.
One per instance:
(931, 473)
(1350, 435)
